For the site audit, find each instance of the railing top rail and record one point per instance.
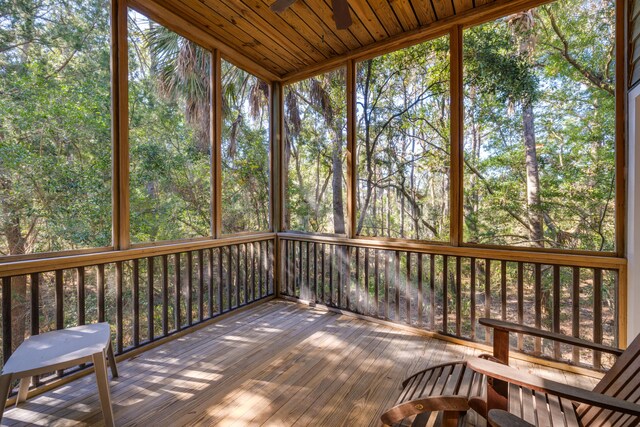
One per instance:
(22, 267)
(552, 258)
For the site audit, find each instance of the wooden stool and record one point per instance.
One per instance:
(65, 348)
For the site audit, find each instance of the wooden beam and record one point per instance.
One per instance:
(120, 125)
(352, 173)
(470, 17)
(216, 81)
(275, 189)
(201, 36)
(621, 128)
(456, 186)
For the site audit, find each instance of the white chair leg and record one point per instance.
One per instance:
(5, 385)
(100, 367)
(23, 390)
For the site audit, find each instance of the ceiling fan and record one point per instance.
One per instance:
(341, 14)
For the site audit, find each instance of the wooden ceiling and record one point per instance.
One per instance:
(305, 35)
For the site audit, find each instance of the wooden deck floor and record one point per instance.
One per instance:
(277, 364)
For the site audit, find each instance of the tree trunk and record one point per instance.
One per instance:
(533, 178)
(17, 246)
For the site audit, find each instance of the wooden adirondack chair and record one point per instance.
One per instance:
(540, 402)
(436, 395)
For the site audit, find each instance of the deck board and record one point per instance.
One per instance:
(277, 364)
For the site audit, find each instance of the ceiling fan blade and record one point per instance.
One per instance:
(281, 5)
(341, 14)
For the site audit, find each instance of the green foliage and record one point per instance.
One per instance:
(245, 151)
(315, 129)
(403, 143)
(563, 64)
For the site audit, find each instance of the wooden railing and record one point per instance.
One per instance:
(446, 290)
(154, 293)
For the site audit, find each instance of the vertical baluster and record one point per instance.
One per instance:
(376, 281)
(408, 286)
(367, 310)
(287, 264)
(503, 289)
(520, 302)
(253, 271)
(396, 284)
(229, 278)
(220, 281)
(387, 303)
(150, 298)
(59, 299)
(556, 309)
(35, 303)
(339, 275)
(575, 309)
(538, 304)
(238, 279)
(165, 295)
(81, 296)
(119, 325)
(314, 293)
(356, 304)
(269, 267)
(35, 309)
(307, 273)
(136, 302)
(100, 285)
(472, 297)
(299, 276)
(261, 269)
(189, 304)
(6, 318)
(487, 295)
(597, 315)
(178, 282)
(245, 251)
(322, 267)
(420, 299)
(211, 282)
(432, 291)
(200, 285)
(445, 294)
(458, 296)
(347, 277)
(332, 257)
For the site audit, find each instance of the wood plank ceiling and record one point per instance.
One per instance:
(305, 34)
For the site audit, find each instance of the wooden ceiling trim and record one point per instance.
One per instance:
(324, 14)
(236, 40)
(478, 15)
(298, 36)
(424, 11)
(187, 29)
(227, 21)
(362, 9)
(404, 13)
(301, 19)
(385, 14)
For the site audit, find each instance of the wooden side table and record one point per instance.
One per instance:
(65, 348)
